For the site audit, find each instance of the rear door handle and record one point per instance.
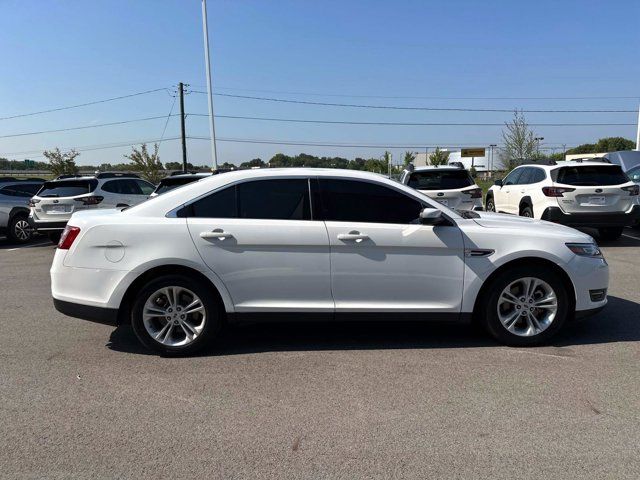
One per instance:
(217, 233)
(353, 236)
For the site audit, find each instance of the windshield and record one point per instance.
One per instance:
(67, 188)
(440, 179)
(169, 184)
(591, 175)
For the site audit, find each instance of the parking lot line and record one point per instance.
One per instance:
(630, 236)
(29, 246)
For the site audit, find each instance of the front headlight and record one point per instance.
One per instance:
(585, 249)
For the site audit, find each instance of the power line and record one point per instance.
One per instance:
(82, 127)
(407, 124)
(345, 145)
(398, 107)
(398, 97)
(84, 104)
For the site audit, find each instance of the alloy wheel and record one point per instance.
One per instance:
(22, 230)
(527, 306)
(174, 316)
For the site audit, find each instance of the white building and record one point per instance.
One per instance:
(481, 164)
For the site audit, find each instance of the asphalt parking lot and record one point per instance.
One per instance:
(383, 400)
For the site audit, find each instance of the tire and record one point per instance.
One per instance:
(519, 332)
(203, 325)
(54, 237)
(19, 231)
(526, 211)
(611, 233)
(490, 205)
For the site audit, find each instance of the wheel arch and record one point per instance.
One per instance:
(124, 312)
(525, 202)
(18, 211)
(520, 262)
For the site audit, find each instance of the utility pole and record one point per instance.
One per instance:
(212, 129)
(182, 130)
(638, 132)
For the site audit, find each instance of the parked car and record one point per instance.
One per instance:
(576, 193)
(169, 183)
(451, 186)
(319, 244)
(14, 208)
(57, 200)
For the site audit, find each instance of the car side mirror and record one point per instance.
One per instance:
(430, 216)
(498, 182)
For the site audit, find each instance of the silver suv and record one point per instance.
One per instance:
(14, 207)
(58, 199)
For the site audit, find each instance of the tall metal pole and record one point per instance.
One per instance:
(182, 129)
(638, 133)
(212, 128)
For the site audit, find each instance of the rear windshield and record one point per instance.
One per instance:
(440, 179)
(67, 188)
(170, 183)
(590, 175)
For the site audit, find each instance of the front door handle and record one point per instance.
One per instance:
(353, 236)
(217, 233)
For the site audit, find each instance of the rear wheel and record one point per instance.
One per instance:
(526, 211)
(490, 204)
(19, 229)
(176, 315)
(525, 305)
(611, 233)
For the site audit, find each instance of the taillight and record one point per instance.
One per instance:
(556, 191)
(474, 192)
(92, 200)
(633, 190)
(33, 201)
(68, 236)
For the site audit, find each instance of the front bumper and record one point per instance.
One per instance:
(46, 226)
(106, 316)
(596, 220)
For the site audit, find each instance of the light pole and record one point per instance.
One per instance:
(212, 129)
(491, 157)
(538, 140)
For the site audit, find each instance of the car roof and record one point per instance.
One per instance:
(437, 167)
(567, 163)
(177, 197)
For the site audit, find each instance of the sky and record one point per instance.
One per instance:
(497, 55)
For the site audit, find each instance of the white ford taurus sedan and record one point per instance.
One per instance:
(319, 244)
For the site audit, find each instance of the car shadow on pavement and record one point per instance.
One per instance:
(619, 322)
(630, 238)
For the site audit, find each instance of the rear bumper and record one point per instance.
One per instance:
(47, 226)
(106, 316)
(614, 219)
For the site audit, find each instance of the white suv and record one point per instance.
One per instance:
(450, 186)
(58, 199)
(319, 244)
(575, 193)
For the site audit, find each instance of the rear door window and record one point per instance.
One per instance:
(27, 191)
(525, 177)
(440, 179)
(146, 188)
(67, 188)
(281, 199)
(591, 175)
(513, 177)
(634, 174)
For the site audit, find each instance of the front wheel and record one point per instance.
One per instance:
(611, 233)
(525, 306)
(526, 212)
(490, 205)
(175, 315)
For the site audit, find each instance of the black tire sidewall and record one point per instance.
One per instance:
(213, 314)
(489, 312)
(492, 202)
(54, 237)
(11, 227)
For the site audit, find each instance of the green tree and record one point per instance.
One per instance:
(614, 144)
(148, 164)
(409, 157)
(62, 163)
(439, 157)
(519, 142)
(256, 162)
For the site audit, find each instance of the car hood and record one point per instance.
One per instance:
(537, 227)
